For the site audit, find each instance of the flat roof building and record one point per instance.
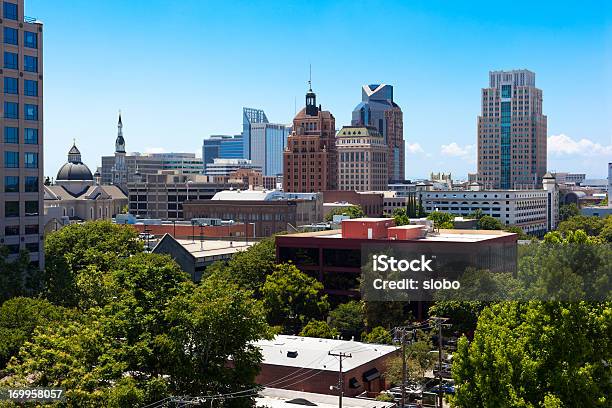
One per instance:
(318, 370)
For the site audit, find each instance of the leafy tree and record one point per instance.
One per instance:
(292, 298)
(320, 329)
(486, 222)
(536, 354)
(385, 397)
(19, 317)
(476, 214)
(18, 277)
(591, 225)
(353, 211)
(441, 219)
(73, 249)
(517, 230)
(348, 319)
(606, 231)
(212, 324)
(401, 217)
(385, 314)
(567, 211)
(378, 335)
(249, 269)
(419, 360)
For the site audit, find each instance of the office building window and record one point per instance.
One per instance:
(30, 40)
(506, 91)
(11, 230)
(11, 209)
(31, 229)
(30, 63)
(31, 184)
(11, 134)
(30, 88)
(9, 11)
(11, 110)
(11, 184)
(31, 160)
(10, 60)
(10, 36)
(31, 208)
(30, 111)
(10, 85)
(11, 160)
(32, 247)
(30, 136)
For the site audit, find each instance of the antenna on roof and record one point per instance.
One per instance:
(310, 77)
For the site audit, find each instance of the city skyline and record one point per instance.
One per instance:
(436, 65)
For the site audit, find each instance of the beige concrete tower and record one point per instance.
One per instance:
(21, 144)
(362, 159)
(511, 132)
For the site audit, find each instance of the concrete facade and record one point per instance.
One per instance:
(21, 144)
(362, 159)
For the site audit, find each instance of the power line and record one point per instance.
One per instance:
(340, 356)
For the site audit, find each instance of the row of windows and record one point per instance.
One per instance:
(11, 208)
(11, 86)
(11, 184)
(11, 160)
(11, 61)
(11, 135)
(11, 111)
(30, 40)
(12, 230)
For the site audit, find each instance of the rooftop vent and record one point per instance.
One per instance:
(292, 354)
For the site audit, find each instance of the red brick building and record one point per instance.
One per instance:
(303, 364)
(310, 161)
(372, 204)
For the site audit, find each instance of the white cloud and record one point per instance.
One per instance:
(454, 150)
(563, 145)
(155, 150)
(414, 148)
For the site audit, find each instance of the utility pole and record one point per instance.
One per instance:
(438, 324)
(340, 386)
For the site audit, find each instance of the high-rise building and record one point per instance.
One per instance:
(21, 146)
(310, 162)
(378, 109)
(268, 142)
(511, 132)
(222, 147)
(362, 159)
(250, 116)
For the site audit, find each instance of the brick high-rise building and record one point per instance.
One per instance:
(511, 132)
(310, 161)
(21, 145)
(362, 159)
(378, 109)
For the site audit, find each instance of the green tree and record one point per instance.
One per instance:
(401, 217)
(19, 317)
(378, 335)
(348, 319)
(292, 298)
(419, 360)
(517, 230)
(476, 214)
(567, 211)
(320, 329)
(73, 249)
(18, 277)
(212, 324)
(353, 211)
(486, 222)
(249, 269)
(441, 219)
(528, 354)
(591, 225)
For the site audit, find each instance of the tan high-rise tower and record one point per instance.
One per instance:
(310, 161)
(511, 132)
(21, 144)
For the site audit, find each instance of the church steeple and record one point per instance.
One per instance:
(74, 155)
(120, 142)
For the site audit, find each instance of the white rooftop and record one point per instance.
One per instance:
(312, 352)
(209, 248)
(248, 195)
(279, 398)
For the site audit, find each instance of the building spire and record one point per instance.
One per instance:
(310, 77)
(120, 141)
(311, 97)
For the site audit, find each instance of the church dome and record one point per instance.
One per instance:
(75, 169)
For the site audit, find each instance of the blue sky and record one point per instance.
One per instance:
(182, 70)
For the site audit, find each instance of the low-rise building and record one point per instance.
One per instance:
(304, 364)
(370, 202)
(225, 167)
(282, 398)
(534, 211)
(270, 211)
(194, 255)
(334, 257)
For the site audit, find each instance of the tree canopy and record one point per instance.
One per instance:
(353, 211)
(320, 329)
(441, 219)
